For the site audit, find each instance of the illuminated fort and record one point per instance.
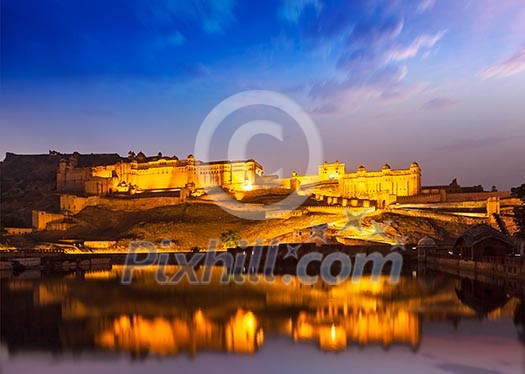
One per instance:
(139, 173)
(383, 186)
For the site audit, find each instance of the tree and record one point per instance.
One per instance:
(519, 211)
(195, 249)
(230, 238)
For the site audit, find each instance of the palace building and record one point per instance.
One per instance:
(370, 184)
(141, 174)
(384, 185)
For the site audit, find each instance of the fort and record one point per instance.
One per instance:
(59, 187)
(139, 173)
(383, 186)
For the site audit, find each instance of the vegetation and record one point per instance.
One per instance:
(519, 211)
(230, 238)
(195, 249)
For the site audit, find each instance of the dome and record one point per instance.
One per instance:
(190, 157)
(386, 166)
(426, 242)
(361, 168)
(414, 165)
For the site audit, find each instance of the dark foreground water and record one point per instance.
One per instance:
(90, 323)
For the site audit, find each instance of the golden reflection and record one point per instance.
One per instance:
(243, 335)
(332, 338)
(144, 318)
(164, 336)
(104, 274)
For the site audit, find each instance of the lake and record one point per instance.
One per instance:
(429, 322)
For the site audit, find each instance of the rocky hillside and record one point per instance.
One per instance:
(189, 225)
(28, 182)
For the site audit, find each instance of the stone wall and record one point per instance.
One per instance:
(473, 196)
(439, 216)
(99, 244)
(41, 219)
(443, 196)
(445, 205)
(420, 199)
(18, 230)
(503, 266)
(332, 209)
(75, 204)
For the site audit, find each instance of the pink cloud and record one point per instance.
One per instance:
(421, 42)
(438, 103)
(513, 65)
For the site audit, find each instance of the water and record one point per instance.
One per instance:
(89, 322)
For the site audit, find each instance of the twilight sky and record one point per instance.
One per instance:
(437, 81)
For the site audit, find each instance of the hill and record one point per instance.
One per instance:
(194, 224)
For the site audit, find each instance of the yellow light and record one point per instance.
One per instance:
(248, 186)
(249, 320)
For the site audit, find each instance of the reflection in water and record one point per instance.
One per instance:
(165, 336)
(94, 312)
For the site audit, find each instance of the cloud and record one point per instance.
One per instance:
(425, 5)
(438, 103)
(423, 41)
(513, 65)
(362, 38)
(472, 143)
(374, 84)
(292, 10)
(372, 31)
(213, 16)
(359, 60)
(328, 108)
(321, 24)
(197, 70)
(400, 91)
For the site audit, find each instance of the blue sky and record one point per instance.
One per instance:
(437, 81)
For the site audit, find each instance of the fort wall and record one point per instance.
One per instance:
(41, 219)
(439, 216)
(443, 196)
(74, 204)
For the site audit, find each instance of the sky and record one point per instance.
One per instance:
(441, 82)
